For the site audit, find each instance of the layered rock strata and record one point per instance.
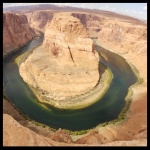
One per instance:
(16, 32)
(128, 40)
(39, 19)
(66, 65)
(92, 22)
(59, 138)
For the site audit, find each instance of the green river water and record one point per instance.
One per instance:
(106, 109)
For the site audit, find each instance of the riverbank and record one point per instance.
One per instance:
(138, 71)
(45, 130)
(132, 88)
(104, 69)
(139, 61)
(6, 54)
(136, 97)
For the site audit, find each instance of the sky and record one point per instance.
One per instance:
(136, 10)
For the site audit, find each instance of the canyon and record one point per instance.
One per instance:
(16, 32)
(123, 36)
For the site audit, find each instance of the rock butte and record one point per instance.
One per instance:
(66, 65)
(130, 132)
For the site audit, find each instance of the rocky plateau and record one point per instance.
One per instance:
(71, 65)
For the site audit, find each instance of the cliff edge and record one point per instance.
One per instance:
(16, 32)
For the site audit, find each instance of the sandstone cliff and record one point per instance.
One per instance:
(39, 19)
(92, 22)
(124, 37)
(127, 39)
(16, 32)
(70, 64)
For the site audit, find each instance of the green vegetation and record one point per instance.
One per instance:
(77, 132)
(18, 59)
(125, 109)
(137, 73)
(22, 57)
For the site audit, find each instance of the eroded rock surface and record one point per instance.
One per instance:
(128, 40)
(27, 137)
(66, 65)
(39, 19)
(92, 22)
(12, 132)
(16, 32)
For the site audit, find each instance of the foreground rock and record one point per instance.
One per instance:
(13, 138)
(16, 32)
(69, 67)
(30, 138)
(131, 132)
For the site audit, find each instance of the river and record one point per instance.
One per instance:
(106, 109)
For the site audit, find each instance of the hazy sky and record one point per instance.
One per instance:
(137, 10)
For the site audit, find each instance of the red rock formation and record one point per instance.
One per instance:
(69, 67)
(27, 137)
(92, 22)
(93, 138)
(15, 134)
(61, 136)
(16, 32)
(128, 40)
(124, 37)
(39, 19)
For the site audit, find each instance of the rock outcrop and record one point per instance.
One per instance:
(69, 66)
(27, 137)
(92, 22)
(124, 37)
(16, 32)
(128, 40)
(39, 19)
(61, 136)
